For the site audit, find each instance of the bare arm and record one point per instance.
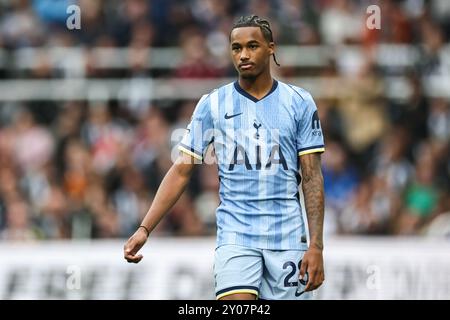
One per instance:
(314, 197)
(313, 193)
(168, 193)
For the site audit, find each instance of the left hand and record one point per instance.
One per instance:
(312, 263)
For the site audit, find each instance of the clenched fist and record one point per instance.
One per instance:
(134, 244)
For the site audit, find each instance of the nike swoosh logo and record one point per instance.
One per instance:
(299, 293)
(232, 116)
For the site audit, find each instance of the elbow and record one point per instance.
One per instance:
(183, 170)
(314, 177)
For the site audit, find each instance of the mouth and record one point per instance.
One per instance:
(246, 66)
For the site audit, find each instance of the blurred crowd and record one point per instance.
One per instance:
(90, 169)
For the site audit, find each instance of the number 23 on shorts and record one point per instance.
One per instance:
(287, 280)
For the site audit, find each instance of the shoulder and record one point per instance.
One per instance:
(206, 98)
(296, 92)
(302, 100)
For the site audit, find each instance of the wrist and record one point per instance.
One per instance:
(145, 229)
(316, 246)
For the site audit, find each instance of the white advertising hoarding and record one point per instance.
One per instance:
(182, 268)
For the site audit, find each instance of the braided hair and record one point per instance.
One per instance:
(255, 21)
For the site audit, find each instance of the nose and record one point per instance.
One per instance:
(244, 54)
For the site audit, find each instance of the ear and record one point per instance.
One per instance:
(271, 48)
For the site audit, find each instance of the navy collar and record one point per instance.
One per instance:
(249, 96)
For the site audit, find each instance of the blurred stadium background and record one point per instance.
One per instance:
(86, 123)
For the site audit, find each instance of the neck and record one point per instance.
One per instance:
(257, 86)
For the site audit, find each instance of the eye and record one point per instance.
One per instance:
(235, 49)
(253, 46)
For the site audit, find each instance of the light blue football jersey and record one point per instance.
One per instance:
(257, 144)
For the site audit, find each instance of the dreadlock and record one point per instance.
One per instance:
(255, 21)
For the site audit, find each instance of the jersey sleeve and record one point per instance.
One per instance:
(309, 130)
(199, 132)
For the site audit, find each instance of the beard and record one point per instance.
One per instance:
(248, 76)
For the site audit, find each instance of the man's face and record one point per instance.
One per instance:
(250, 51)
